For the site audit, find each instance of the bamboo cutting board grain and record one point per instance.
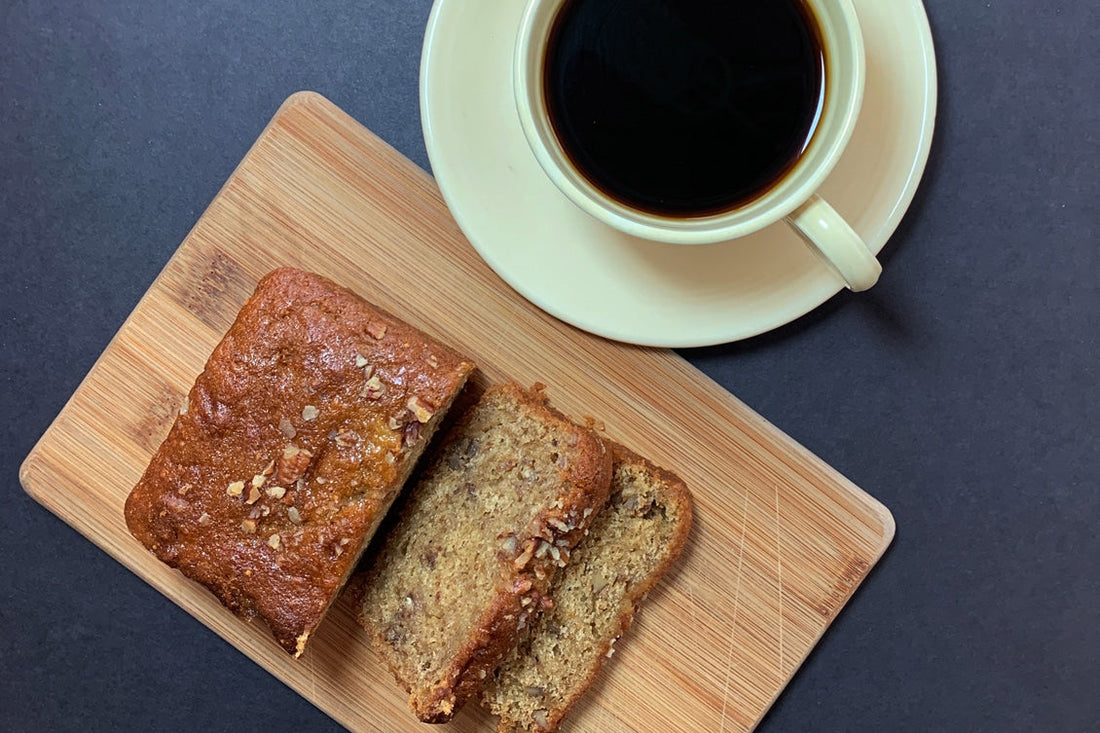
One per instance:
(780, 542)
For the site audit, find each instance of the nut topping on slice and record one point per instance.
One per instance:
(558, 525)
(292, 464)
(347, 438)
(309, 412)
(412, 433)
(236, 488)
(420, 409)
(373, 389)
(525, 556)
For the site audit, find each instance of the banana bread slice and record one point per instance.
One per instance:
(296, 439)
(495, 513)
(632, 542)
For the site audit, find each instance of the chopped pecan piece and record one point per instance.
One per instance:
(292, 464)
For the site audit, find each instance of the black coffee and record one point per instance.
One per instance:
(684, 107)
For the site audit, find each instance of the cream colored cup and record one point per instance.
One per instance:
(793, 198)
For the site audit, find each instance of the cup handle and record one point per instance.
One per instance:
(835, 243)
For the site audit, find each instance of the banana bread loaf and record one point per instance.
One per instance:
(482, 531)
(295, 440)
(630, 545)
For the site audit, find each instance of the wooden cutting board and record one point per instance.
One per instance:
(780, 543)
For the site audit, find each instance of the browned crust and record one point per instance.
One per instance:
(297, 331)
(498, 627)
(674, 492)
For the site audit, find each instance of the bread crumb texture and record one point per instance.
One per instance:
(491, 520)
(630, 545)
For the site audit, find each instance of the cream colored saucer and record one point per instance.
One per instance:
(633, 290)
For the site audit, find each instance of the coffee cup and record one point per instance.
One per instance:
(694, 123)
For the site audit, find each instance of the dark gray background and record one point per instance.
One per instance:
(961, 391)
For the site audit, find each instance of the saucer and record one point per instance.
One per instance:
(633, 290)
